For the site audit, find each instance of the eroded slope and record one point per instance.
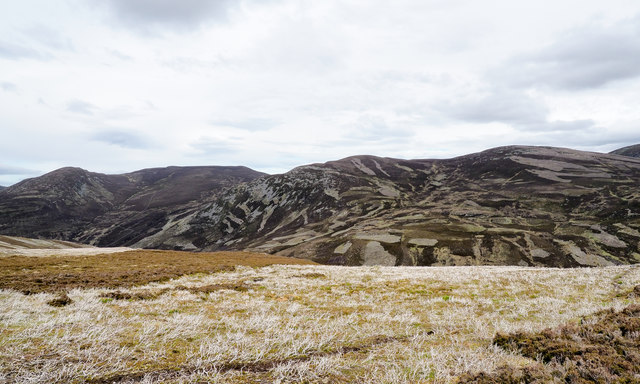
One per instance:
(510, 205)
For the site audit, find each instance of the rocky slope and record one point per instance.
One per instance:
(508, 205)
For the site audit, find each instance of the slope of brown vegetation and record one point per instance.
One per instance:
(55, 273)
(604, 348)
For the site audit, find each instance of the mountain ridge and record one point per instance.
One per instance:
(507, 205)
(71, 198)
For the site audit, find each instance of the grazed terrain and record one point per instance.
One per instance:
(303, 323)
(528, 206)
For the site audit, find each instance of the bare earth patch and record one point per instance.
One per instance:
(321, 324)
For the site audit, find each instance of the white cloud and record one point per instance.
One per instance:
(81, 107)
(8, 87)
(276, 84)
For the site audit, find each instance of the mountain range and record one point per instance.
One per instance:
(513, 205)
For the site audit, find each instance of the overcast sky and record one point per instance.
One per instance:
(118, 85)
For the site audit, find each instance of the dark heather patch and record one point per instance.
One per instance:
(602, 348)
(62, 300)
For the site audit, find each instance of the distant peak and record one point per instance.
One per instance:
(68, 170)
(631, 151)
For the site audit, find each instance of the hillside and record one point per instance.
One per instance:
(13, 243)
(632, 151)
(64, 203)
(505, 206)
(511, 205)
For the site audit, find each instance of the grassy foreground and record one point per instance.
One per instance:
(298, 323)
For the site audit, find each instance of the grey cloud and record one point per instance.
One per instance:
(214, 146)
(17, 52)
(8, 87)
(562, 126)
(301, 46)
(9, 170)
(585, 138)
(121, 138)
(184, 14)
(588, 57)
(375, 129)
(515, 108)
(503, 106)
(80, 107)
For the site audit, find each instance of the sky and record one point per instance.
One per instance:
(115, 86)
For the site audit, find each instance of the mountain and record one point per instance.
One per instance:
(510, 205)
(632, 150)
(68, 202)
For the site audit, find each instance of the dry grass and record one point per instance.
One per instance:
(123, 269)
(294, 324)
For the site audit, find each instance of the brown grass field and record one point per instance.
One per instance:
(176, 317)
(124, 269)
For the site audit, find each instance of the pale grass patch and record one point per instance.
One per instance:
(300, 323)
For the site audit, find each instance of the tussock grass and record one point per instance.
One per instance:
(297, 323)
